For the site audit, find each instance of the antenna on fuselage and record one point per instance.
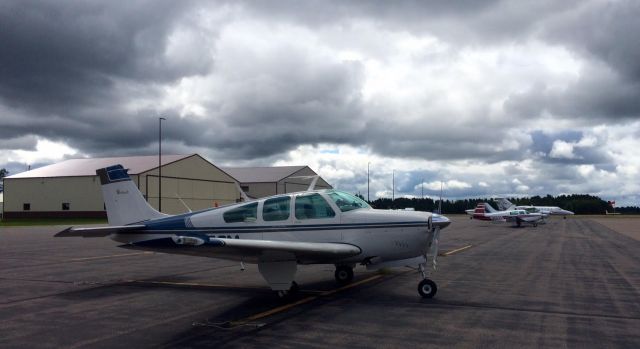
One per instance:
(243, 195)
(185, 204)
(312, 186)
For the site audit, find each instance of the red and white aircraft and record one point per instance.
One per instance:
(485, 212)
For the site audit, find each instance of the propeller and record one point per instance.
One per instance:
(435, 240)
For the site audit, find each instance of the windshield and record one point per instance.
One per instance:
(347, 202)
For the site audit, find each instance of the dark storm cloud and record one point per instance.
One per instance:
(61, 55)
(605, 29)
(94, 75)
(595, 96)
(469, 22)
(605, 34)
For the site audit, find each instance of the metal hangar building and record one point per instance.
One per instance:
(259, 182)
(71, 188)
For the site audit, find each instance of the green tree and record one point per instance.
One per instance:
(3, 173)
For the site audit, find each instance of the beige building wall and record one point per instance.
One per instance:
(291, 185)
(48, 194)
(286, 185)
(260, 190)
(205, 187)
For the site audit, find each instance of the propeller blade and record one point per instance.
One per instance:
(435, 240)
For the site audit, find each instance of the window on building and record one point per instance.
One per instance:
(276, 209)
(65, 206)
(313, 206)
(26, 207)
(245, 188)
(246, 213)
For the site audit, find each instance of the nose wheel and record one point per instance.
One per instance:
(427, 288)
(343, 274)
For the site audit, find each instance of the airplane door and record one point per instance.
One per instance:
(316, 219)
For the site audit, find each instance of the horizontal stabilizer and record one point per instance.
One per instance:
(97, 231)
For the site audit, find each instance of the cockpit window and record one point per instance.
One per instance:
(276, 209)
(245, 213)
(347, 202)
(313, 206)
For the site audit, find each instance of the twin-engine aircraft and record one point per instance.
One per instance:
(277, 232)
(485, 212)
(505, 204)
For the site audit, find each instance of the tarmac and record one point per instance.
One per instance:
(568, 283)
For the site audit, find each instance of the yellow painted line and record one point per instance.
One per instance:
(302, 301)
(193, 284)
(110, 256)
(457, 250)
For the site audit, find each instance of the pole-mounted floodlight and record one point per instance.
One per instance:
(393, 187)
(160, 163)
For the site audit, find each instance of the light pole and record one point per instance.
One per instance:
(422, 188)
(160, 163)
(368, 199)
(393, 187)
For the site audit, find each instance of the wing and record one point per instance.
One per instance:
(98, 231)
(250, 250)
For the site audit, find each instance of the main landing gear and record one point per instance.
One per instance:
(344, 274)
(292, 291)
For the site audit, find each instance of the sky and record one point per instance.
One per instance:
(516, 98)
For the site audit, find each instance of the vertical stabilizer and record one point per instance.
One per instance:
(504, 204)
(488, 208)
(124, 202)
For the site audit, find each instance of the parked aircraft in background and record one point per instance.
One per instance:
(485, 212)
(504, 204)
(277, 233)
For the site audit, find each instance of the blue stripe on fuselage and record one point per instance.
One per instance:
(180, 226)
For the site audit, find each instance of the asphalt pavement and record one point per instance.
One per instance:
(568, 283)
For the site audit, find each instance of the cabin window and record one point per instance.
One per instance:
(347, 202)
(65, 206)
(313, 206)
(276, 209)
(26, 207)
(246, 213)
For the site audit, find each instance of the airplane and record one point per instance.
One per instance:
(486, 212)
(504, 204)
(277, 233)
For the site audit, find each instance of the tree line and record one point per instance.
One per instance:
(578, 203)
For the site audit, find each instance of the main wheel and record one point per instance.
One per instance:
(343, 274)
(427, 288)
(292, 291)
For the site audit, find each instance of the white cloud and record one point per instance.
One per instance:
(562, 150)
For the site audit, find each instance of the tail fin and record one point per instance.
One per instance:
(488, 208)
(124, 202)
(504, 204)
(479, 211)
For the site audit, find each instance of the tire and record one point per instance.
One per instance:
(343, 274)
(427, 288)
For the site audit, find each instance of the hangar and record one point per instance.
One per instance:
(259, 182)
(71, 188)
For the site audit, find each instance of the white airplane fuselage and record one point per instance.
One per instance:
(385, 234)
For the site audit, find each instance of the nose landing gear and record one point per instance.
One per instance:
(427, 288)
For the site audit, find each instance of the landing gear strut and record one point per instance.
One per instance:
(343, 274)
